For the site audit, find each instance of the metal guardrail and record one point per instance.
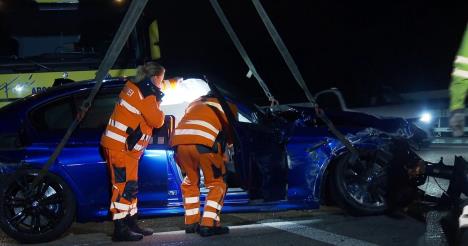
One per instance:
(450, 141)
(447, 129)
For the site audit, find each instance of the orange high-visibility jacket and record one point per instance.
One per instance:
(137, 109)
(201, 124)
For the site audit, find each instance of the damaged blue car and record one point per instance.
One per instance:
(284, 158)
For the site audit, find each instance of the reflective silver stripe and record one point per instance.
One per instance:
(119, 216)
(145, 137)
(213, 204)
(186, 181)
(133, 211)
(460, 73)
(118, 125)
(461, 60)
(211, 215)
(115, 136)
(138, 147)
(129, 107)
(192, 211)
(204, 124)
(194, 132)
(120, 206)
(189, 200)
(217, 105)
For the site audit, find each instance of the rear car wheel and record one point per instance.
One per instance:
(361, 186)
(35, 214)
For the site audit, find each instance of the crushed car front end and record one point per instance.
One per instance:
(321, 169)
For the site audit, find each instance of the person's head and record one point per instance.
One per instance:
(150, 70)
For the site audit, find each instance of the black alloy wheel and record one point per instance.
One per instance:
(36, 214)
(361, 187)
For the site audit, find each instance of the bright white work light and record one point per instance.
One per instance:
(185, 91)
(426, 117)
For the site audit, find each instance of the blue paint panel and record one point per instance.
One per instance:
(307, 154)
(153, 178)
(310, 149)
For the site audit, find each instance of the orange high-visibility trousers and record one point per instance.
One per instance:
(191, 158)
(123, 169)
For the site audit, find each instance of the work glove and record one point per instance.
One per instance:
(457, 122)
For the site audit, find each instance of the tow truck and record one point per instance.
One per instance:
(57, 46)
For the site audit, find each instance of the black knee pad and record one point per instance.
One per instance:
(130, 190)
(202, 149)
(217, 172)
(120, 174)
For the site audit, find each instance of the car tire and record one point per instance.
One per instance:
(360, 195)
(35, 215)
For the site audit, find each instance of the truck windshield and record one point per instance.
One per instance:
(70, 35)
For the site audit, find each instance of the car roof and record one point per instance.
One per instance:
(60, 90)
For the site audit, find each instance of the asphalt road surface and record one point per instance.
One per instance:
(327, 226)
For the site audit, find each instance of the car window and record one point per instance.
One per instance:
(99, 113)
(243, 118)
(55, 115)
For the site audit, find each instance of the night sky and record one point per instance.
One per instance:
(408, 46)
(359, 48)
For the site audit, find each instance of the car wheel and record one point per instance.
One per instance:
(360, 187)
(35, 214)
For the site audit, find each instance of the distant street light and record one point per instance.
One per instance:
(426, 117)
(18, 88)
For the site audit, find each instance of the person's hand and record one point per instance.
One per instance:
(457, 122)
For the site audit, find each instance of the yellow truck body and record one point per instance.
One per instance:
(18, 85)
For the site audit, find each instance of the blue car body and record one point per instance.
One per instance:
(309, 150)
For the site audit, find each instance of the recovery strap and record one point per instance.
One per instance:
(297, 74)
(240, 48)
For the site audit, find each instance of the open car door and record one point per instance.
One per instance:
(260, 160)
(259, 156)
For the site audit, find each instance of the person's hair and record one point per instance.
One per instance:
(148, 70)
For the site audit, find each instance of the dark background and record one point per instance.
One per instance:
(357, 47)
(360, 48)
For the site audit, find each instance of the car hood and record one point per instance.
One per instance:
(351, 121)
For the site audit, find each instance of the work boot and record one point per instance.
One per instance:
(449, 225)
(206, 231)
(133, 226)
(192, 228)
(123, 233)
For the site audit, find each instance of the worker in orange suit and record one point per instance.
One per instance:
(199, 141)
(124, 141)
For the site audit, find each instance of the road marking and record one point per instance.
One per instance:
(300, 228)
(296, 227)
(317, 234)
